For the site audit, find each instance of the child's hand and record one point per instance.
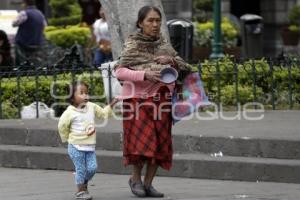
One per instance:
(113, 102)
(90, 131)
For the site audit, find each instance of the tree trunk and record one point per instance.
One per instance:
(121, 17)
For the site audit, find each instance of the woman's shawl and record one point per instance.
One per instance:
(140, 50)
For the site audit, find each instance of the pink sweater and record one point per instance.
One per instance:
(134, 85)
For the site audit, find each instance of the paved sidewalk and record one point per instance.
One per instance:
(24, 184)
(277, 124)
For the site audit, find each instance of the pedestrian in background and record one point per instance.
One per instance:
(103, 51)
(30, 34)
(77, 127)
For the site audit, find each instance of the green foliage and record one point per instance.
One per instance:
(228, 94)
(202, 10)
(294, 19)
(68, 36)
(294, 28)
(65, 12)
(204, 33)
(294, 15)
(75, 9)
(48, 89)
(51, 28)
(225, 73)
(203, 5)
(63, 8)
(9, 111)
(218, 78)
(62, 21)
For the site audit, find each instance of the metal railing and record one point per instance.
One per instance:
(275, 83)
(14, 82)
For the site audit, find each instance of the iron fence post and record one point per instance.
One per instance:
(54, 92)
(109, 84)
(218, 85)
(36, 92)
(290, 86)
(254, 82)
(91, 90)
(18, 93)
(1, 97)
(272, 85)
(236, 80)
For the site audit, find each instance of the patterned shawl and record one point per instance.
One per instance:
(140, 50)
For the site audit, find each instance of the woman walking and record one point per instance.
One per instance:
(147, 119)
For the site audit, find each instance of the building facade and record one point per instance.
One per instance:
(274, 14)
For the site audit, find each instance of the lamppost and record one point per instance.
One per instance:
(217, 46)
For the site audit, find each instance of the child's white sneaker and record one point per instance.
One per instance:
(83, 195)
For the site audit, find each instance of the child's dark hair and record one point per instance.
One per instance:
(72, 89)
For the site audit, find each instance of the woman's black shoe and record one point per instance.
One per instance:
(137, 188)
(152, 192)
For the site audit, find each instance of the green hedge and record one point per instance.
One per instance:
(204, 33)
(63, 21)
(65, 12)
(63, 8)
(209, 77)
(28, 88)
(246, 84)
(68, 36)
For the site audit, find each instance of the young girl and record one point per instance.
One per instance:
(77, 127)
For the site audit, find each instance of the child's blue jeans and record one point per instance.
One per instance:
(85, 163)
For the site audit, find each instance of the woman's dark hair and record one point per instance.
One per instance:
(72, 89)
(143, 13)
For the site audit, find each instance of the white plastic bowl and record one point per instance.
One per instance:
(168, 75)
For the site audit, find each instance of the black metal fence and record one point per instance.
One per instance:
(274, 83)
(37, 82)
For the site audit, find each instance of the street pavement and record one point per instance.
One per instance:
(277, 124)
(27, 184)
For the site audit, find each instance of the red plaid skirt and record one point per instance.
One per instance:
(147, 125)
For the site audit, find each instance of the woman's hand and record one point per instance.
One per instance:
(153, 76)
(164, 60)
